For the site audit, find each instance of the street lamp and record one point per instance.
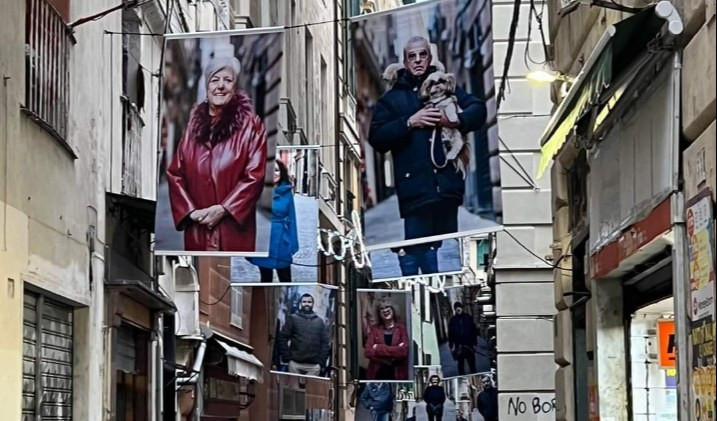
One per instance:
(549, 77)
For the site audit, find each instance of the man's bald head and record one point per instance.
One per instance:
(417, 55)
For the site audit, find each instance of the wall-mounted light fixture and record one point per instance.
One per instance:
(549, 77)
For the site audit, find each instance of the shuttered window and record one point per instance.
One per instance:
(46, 360)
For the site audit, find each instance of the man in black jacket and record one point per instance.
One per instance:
(462, 338)
(304, 340)
(435, 397)
(428, 197)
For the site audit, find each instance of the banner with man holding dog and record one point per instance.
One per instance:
(427, 115)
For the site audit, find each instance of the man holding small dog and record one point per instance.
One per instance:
(429, 195)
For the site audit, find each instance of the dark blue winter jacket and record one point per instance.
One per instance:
(417, 182)
(462, 330)
(284, 240)
(378, 396)
(434, 396)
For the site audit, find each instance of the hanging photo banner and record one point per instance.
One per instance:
(701, 245)
(293, 249)
(384, 338)
(428, 128)
(304, 330)
(462, 332)
(219, 123)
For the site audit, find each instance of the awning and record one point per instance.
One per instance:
(613, 57)
(242, 364)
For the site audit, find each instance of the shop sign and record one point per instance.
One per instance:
(701, 245)
(666, 343)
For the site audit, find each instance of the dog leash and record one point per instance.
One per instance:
(433, 158)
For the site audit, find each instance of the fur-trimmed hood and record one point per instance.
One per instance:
(233, 115)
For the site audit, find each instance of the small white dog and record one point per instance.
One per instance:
(438, 91)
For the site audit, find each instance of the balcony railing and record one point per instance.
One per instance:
(131, 149)
(47, 49)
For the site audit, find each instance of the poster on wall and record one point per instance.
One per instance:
(701, 246)
(384, 337)
(293, 249)
(304, 330)
(219, 124)
(427, 122)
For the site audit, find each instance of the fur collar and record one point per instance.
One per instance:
(406, 80)
(233, 115)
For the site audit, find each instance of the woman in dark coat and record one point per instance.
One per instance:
(284, 241)
(387, 346)
(217, 174)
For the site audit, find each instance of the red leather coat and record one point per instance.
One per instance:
(222, 161)
(388, 354)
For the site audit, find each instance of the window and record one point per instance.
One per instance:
(323, 102)
(46, 359)
(47, 48)
(351, 8)
(293, 404)
(133, 96)
(237, 307)
(309, 106)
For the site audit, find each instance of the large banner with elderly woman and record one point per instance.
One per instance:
(220, 105)
(427, 121)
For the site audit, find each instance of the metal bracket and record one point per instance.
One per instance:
(599, 3)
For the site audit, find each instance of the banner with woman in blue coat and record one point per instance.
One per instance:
(293, 255)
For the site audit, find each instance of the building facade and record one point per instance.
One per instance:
(628, 162)
(522, 275)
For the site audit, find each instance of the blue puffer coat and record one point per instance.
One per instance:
(418, 183)
(284, 242)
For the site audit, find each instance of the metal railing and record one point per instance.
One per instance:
(47, 51)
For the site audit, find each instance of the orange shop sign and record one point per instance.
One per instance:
(667, 356)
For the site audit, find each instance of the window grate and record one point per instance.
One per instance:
(47, 47)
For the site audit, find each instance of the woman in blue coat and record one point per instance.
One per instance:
(284, 241)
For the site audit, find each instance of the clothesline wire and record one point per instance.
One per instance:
(303, 25)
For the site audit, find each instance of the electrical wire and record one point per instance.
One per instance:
(504, 82)
(532, 182)
(527, 58)
(526, 248)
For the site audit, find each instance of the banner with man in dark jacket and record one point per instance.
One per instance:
(303, 345)
(428, 127)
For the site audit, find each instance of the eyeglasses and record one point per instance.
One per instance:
(421, 55)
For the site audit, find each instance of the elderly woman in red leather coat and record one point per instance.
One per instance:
(387, 346)
(217, 174)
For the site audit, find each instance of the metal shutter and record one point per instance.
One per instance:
(46, 359)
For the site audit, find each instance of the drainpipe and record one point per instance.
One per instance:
(338, 26)
(196, 368)
(680, 260)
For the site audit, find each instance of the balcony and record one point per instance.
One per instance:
(123, 275)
